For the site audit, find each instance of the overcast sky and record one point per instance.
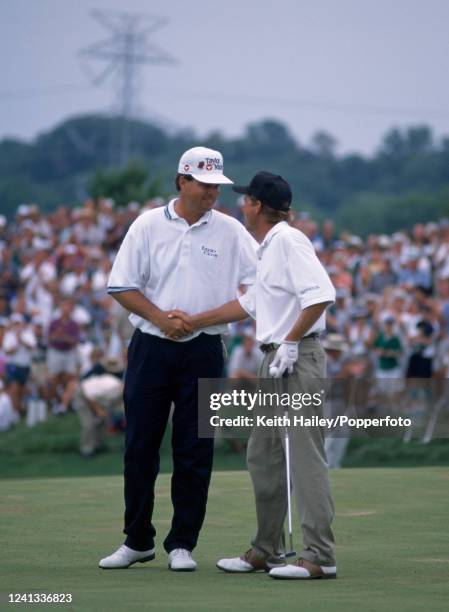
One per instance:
(351, 67)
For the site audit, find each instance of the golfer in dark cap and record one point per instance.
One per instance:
(288, 302)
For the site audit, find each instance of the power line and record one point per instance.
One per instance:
(226, 98)
(43, 92)
(347, 108)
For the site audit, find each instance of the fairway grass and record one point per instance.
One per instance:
(391, 525)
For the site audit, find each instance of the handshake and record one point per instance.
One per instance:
(176, 324)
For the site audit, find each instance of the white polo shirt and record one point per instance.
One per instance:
(290, 277)
(186, 267)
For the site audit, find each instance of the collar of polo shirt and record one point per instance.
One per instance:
(273, 231)
(171, 214)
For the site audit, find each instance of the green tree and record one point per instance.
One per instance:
(376, 213)
(323, 144)
(124, 185)
(60, 166)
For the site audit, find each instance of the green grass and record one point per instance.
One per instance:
(51, 449)
(380, 452)
(391, 529)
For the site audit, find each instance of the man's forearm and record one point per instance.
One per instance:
(173, 328)
(134, 301)
(229, 312)
(308, 317)
(98, 409)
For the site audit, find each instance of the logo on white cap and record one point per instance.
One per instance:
(205, 165)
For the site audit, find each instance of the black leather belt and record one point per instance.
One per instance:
(268, 348)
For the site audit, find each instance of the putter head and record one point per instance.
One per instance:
(292, 553)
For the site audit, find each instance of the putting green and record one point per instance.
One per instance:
(392, 546)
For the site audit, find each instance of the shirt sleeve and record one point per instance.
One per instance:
(310, 280)
(120, 289)
(247, 258)
(131, 268)
(29, 338)
(248, 301)
(10, 341)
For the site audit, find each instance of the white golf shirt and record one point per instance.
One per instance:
(186, 267)
(289, 278)
(19, 346)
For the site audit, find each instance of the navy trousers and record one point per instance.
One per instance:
(160, 372)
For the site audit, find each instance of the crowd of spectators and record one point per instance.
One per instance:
(58, 325)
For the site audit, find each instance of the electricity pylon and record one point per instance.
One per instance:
(124, 53)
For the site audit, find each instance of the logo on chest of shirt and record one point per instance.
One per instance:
(209, 252)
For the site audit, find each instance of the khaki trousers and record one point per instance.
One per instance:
(309, 470)
(92, 433)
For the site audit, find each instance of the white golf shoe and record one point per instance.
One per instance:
(180, 560)
(250, 561)
(125, 556)
(303, 570)
(235, 565)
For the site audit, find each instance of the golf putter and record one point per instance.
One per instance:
(291, 552)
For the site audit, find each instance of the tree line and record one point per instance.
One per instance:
(405, 181)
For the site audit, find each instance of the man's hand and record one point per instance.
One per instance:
(175, 324)
(231, 311)
(284, 360)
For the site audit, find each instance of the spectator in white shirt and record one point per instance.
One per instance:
(19, 343)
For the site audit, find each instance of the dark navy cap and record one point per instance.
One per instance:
(271, 189)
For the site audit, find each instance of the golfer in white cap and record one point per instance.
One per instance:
(189, 257)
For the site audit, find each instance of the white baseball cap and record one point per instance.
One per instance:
(23, 210)
(205, 165)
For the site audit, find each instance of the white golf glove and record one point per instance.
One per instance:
(284, 360)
